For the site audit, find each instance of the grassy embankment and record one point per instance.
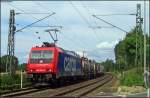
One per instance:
(131, 81)
(8, 82)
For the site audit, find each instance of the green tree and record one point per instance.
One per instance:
(130, 42)
(4, 61)
(120, 54)
(108, 65)
(125, 50)
(148, 51)
(22, 66)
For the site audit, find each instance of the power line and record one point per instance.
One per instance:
(35, 22)
(86, 21)
(32, 13)
(44, 26)
(89, 12)
(114, 14)
(45, 8)
(113, 26)
(22, 11)
(79, 13)
(86, 8)
(110, 24)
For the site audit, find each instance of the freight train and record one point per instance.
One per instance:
(51, 64)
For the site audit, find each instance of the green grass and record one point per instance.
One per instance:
(132, 77)
(9, 82)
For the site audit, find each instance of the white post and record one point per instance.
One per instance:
(148, 93)
(147, 74)
(21, 78)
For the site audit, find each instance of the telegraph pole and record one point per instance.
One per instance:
(139, 21)
(11, 43)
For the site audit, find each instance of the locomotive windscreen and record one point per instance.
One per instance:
(43, 56)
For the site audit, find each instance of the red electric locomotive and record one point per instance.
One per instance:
(50, 63)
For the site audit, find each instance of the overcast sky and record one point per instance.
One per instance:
(79, 32)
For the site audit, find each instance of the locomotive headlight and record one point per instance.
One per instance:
(49, 70)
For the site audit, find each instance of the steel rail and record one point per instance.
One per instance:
(83, 90)
(60, 91)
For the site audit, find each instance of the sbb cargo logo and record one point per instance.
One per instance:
(69, 64)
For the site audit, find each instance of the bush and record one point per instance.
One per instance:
(9, 82)
(133, 77)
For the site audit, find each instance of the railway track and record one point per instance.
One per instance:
(106, 90)
(11, 90)
(84, 90)
(78, 89)
(22, 92)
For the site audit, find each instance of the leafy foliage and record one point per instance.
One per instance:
(22, 66)
(126, 67)
(3, 60)
(125, 51)
(109, 65)
(133, 77)
(8, 81)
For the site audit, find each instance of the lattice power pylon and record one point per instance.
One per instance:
(139, 22)
(11, 44)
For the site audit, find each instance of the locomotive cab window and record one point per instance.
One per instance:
(44, 56)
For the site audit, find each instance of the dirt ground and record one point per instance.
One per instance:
(108, 89)
(114, 88)
(125, 90)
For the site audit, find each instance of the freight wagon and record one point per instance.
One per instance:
(52, 64)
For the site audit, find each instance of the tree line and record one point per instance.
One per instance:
(126, 52)
(17, 66)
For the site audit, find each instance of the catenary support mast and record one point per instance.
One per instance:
(139, 21)
(11, 43)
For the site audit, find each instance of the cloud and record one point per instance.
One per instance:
(101, 55)
(76, 34)
(107, 45)
(80, 53)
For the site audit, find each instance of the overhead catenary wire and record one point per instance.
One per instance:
(86, 8)
(22, 11)
(110, 24)
(25, 14)
(28, 15)
(114, 14)
(35, 22)
(86, 21)
(45, 8)
(90, 13)
(46, 26)
(32, 13)
(69, 39)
